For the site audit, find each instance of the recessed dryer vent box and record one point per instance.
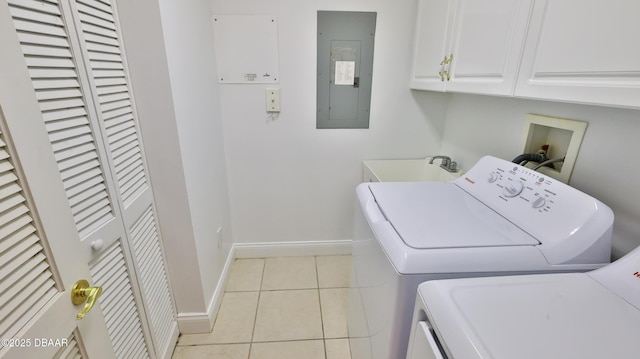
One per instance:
(563, 137)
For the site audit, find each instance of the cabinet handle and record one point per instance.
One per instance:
(448, 62)
(445, 73)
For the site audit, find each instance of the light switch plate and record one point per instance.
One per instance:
(273, 100)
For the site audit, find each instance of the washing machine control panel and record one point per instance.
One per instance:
(532, 201)
(520, 183)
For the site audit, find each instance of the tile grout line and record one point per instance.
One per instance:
(324, 339)
(255, 316)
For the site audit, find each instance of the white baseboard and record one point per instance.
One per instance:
(284, 249)
(195, 323)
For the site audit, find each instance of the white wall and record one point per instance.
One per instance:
(607, 165)
(188, 38)
(173, 75)
(289, 181)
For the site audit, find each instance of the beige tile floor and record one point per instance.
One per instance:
(281, 307)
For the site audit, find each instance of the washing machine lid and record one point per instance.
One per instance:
(429, 215)
(535, 316)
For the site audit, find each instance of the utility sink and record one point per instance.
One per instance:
(418, 170)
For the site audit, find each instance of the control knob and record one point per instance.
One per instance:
(493, 177)
(513, 188)
(539, 202)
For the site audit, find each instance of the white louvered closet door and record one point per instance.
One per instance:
(40, 253)
(74, 53)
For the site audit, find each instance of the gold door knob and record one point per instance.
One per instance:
(81, 292)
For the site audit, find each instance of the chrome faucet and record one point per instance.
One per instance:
(447, 164)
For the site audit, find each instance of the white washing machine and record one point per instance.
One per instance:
(591, 315)
(497, 219)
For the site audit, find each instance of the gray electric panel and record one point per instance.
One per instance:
(345, 68)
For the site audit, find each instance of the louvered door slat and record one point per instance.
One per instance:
(12, 201)
(115, 97)
(106, 90)
(8, 229)
(60, 104)
(131, 161)
(35, 5)
(100, 82)
(36, 16)
(103, 6)
(10, 190)
(6, 177)
(101, 39)
(38, 50)
(19, 310)
(18, 255)
(70, 156)
(27, 282)
(85, 196)
(52, 84)
(104, 51)
(15, 234)
(52, 73)
(123, 117)
(64, 114)
(37, 28)
(100, 47)
(117, 113)
(125, 133)
(124, 147)
(26, 274)
(64, 93)
(71, 144)
(47, 50)
(33, 38)
(80, 168)
(97, 30)
(102, 73)
(147, 250)
(112, 105)
(54, 63)
(74, 132)
(15, 214)
(90, 8)
(66, 123)
(117, 302)
(69, 351)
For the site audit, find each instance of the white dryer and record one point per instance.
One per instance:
(497, 219)
(591, 315)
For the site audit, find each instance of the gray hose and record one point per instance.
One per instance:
(533, 157)
(548, 162)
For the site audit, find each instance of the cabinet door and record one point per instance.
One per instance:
(487, 45)
(433, 28)
(584, 51)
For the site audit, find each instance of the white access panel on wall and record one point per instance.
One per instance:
(246, 48)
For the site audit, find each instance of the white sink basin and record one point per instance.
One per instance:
(406, 171)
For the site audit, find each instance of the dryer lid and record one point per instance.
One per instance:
(566, 315)
(428, 215)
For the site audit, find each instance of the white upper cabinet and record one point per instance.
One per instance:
(584, 51)
(433, 28)
(469, 45)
